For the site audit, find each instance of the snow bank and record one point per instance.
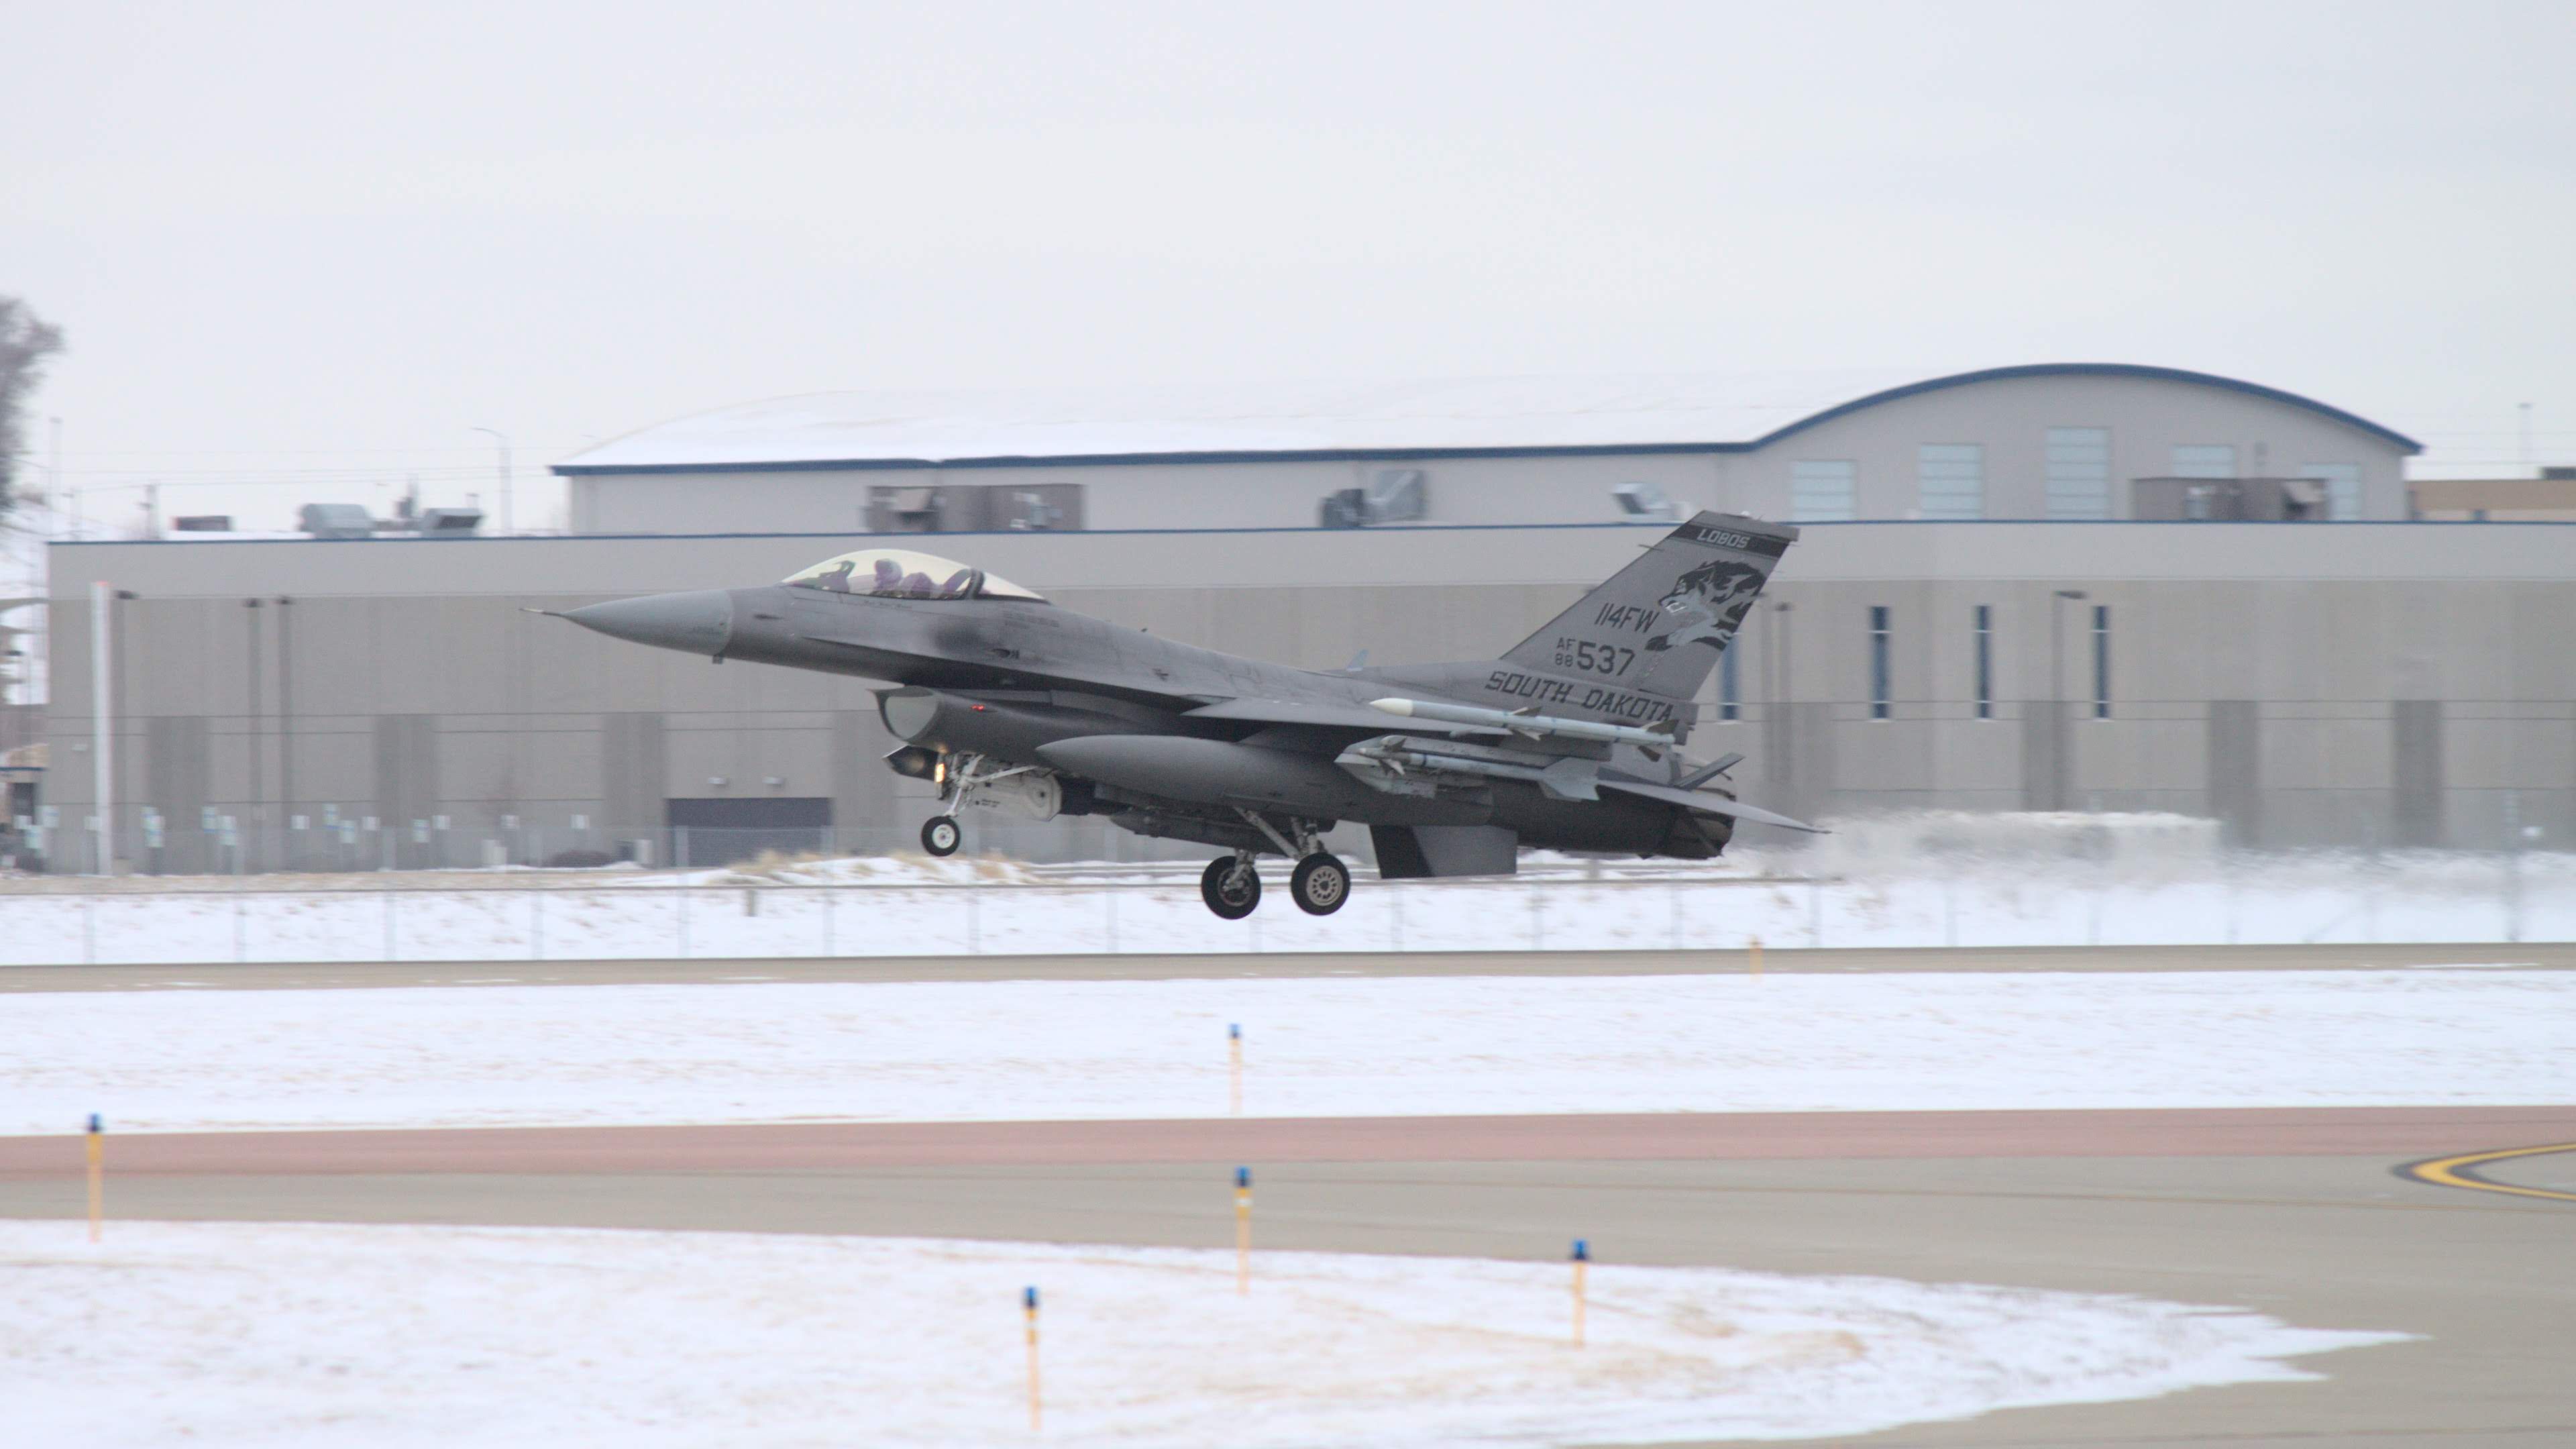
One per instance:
(288, 1334)
(531, 1055)
(971, 908)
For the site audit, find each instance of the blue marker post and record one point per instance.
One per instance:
(1582, 1256)
(1234, 1048)
(97, 1173)
(1243, 1230)
(1029, 1300)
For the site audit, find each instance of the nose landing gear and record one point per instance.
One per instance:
(940, 835)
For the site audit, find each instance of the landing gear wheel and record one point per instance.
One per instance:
(940, 835)
(1230, 890)
(1320, 884)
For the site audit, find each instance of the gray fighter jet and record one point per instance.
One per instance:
(1572, 740)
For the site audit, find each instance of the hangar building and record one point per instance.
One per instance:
(2065, 441)
(2380, 683)
(2032, 588)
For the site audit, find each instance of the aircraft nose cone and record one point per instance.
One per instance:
(699, 622)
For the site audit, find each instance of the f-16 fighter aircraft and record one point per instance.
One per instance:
(1572, 740)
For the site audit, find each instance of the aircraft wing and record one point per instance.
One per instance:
(1328, 715)
(1713, 804)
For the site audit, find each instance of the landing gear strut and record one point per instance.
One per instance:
(940, 835)
(1319, 884)
(1230, 887)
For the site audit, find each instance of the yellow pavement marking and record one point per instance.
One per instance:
(2461, 1171)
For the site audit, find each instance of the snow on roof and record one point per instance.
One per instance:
(1509, 414)
(1515, 413)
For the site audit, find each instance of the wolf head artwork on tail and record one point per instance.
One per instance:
(1624, 651)
(1707, 604)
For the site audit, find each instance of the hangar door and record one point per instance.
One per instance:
(720, 832)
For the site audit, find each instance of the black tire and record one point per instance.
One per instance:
(1320, 884)
(1231, 899)
(941, 835)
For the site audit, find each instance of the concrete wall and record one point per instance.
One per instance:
(2009, 418)
(2375, 683)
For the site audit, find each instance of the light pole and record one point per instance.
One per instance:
(1777, 748)
(2059, 776)
(102, 729)
(120, 698)
(286, 733)
(504, 440)
(258, 811)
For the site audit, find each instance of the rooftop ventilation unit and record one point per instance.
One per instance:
(1646, 502)
(335, 520)
(202, 523)
(1395, 495)
(450, 522)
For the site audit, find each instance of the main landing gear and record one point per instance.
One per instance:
(1318, 885)
(1230, 886)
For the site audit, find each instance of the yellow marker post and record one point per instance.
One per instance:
(1757, 958)
(1243, 1230)
(1029, 1298)
(97, 1174)
(1582, 1257)
(1234, 1047)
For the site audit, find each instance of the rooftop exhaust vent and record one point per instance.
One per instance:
(334, 520)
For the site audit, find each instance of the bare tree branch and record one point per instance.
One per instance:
(27, 341)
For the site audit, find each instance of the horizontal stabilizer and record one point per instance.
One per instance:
(1713, 804)
(1710, 771)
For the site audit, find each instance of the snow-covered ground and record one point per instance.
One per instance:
(296, 1334)
(529, 1055)
(912, 912)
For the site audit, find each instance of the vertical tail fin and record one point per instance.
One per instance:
(1659, 625)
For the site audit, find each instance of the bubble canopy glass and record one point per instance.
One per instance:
(900, 573)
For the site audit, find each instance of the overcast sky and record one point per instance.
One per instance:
(315, 244)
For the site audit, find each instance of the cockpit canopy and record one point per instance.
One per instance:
(900, 573)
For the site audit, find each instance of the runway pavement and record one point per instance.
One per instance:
(2294, 1213)
(258, 976)
(2299, 1213)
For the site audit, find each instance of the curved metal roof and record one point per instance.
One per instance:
(2105, 369)
(1491, 417)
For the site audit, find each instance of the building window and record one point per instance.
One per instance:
(1985, 661)
(2343, 488)
(2079, 472)
(1952, 479)
(1878, 662)
(1823, 492)
(1730, 693)
(2101, 661)
(2204, 460)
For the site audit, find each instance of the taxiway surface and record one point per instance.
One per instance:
(282, 976)
(2299, 1214)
